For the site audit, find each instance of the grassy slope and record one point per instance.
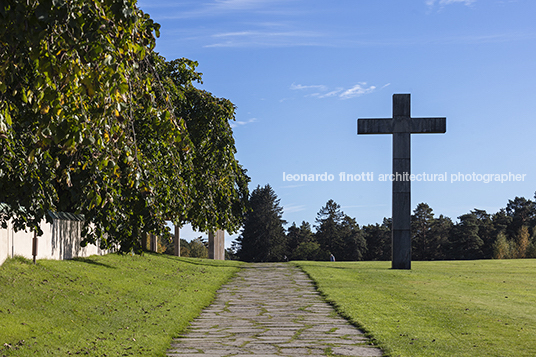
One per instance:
(103, 306)
(456, 308)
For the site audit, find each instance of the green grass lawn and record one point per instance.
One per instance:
(103, 305)
(454, 308)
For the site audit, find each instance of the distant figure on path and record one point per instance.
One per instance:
(331, 258)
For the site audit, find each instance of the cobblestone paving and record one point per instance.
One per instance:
(270, 309)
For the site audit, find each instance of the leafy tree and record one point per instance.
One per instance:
(263, 237)
(69, 70)
(520, 247)
(522, 212)
(166, 244)
(92, 121)
(230, 254)
(503, 248)
(198, 248)
(309, 250)
(522, 242)
(301, 242)
(217, 183)
(531, 251)
(297, 236)
(185, 248)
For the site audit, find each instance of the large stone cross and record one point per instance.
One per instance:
(401, 125)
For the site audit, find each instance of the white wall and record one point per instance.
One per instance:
(60, 240)
(4, 244)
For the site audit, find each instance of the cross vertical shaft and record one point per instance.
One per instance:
(401, 126)
(401, 205)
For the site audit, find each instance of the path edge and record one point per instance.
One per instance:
(372, 341)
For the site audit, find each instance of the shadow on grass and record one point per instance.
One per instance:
(92, 262)
(338, 265)
(333, 303)
(21, 259)
(195, 261)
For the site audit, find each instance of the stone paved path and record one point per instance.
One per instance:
(270, 309)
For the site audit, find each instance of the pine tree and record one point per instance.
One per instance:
(422, 220)
(328, 220)
(302, 243)
(293, 239)
(378, 239)
(355, 245)
(440, 233)
(339, 234)
(522, 212)
(263, 237)
(465, 242)
(486, 232)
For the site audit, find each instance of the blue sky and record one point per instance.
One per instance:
(301, 72)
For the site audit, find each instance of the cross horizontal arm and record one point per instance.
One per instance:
(375, 126)
(407, 125)
(428, 125)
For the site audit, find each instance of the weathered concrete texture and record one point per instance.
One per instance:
(216, 245)
(401, 125)
(271, 309)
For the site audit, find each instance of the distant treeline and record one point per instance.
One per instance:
(508, 233)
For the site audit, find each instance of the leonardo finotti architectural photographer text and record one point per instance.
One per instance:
(442, 177)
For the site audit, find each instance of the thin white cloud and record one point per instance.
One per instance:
(234, 34)
(285, 99)
(237, 4)
(216, 8)
(265, 34)
(294, 86)
(263, 29)
(263, 38)
(357, 91)
(441, 3)
(291, 186)
(244, 39)
(493, 38)
(363, 206)
(294, 208)
(237, 123)
(333, 93)
(220, 7)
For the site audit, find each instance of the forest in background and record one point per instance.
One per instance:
(507, 234)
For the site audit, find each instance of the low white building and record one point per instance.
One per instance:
(60, 240)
